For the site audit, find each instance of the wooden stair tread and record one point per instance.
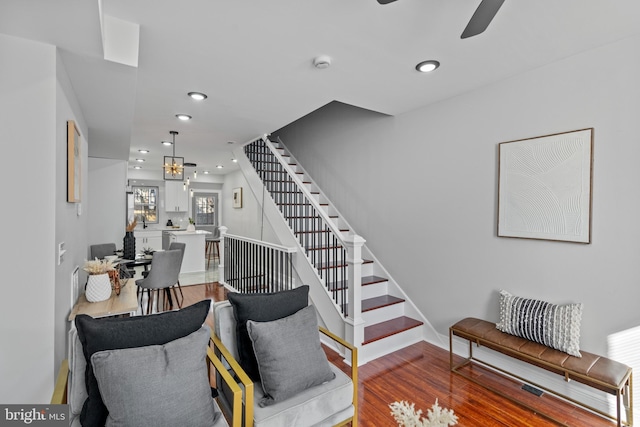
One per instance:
(342, 230)
(368, 280)
(379, 302)
(382, 330)
(333, 264)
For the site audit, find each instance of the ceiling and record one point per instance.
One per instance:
(254, 61)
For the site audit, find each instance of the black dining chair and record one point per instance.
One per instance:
(101, 250)
(162, 276)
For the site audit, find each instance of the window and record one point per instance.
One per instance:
(145, 204)
(205, 208)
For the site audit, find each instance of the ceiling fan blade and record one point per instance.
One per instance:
(481, 18)
(385, 1)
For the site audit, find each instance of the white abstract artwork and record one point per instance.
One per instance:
(545, 187)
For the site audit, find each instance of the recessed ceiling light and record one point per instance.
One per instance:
(234, 160)
(140, 160)
(427, 66)
(137, 167)
(231, 142)
(143, 151)
(184, 117)
(166, 142)
(198, 96)
(206, 172)
(219, 166)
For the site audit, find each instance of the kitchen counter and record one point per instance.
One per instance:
(182, 233)
(194, 260)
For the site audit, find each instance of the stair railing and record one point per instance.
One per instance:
(249, 266)
(337, 260)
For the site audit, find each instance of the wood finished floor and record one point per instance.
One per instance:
(420, 374)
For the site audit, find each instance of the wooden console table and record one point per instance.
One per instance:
(124, 304)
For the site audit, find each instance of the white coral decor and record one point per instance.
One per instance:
(406, 415)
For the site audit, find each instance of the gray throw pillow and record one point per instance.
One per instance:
(556, 326)
(137, 331)
(157, 385)
(290, 358)
(262, 307)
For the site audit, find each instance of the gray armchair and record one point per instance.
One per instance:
(332, 403)
(162, 276)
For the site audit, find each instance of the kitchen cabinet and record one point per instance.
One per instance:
(148, 239)
(176, 199)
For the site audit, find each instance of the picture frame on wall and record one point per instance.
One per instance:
(545, 187)
(74, 170)
(237, 197)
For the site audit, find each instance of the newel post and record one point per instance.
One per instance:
(221, 278)
(354, 324)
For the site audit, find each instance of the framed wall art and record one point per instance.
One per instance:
(237, 197)
(74, 171)
(544, 187)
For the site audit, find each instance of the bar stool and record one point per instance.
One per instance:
(212, 245)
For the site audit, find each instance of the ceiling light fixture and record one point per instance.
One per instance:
(143, 151)
(198, 96)
(206, 172)
(195, 175)
(139, 160)
(427, 66)
(165, 143)
(219, 166)
(137, 167)
(173, 166)
(184, 117)
(234, 160)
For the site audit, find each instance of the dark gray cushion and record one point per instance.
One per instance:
(157, 385)
(289, 355)
(116, 333)
(262, 308)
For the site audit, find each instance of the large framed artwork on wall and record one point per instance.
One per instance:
(545, 185)
(74, 171)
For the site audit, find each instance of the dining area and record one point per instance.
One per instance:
(143, 284)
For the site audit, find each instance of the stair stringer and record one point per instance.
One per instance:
(327, 309)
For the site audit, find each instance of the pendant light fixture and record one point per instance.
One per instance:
(173, 166)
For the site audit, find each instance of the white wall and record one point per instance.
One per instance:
(106, 201)
(70, 227)
(421, 188)
(248, 220)
(29, 129)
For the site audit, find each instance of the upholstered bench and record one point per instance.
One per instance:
(596, 371)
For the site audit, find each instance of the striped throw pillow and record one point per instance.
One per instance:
(556, 326)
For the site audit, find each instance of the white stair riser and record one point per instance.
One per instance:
(383, 314)
(382, 347)
(375, 290)
(367, 269)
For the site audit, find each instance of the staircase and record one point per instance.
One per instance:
(383, 321)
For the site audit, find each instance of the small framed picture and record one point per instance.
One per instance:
(237, 197)
(74, 171)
